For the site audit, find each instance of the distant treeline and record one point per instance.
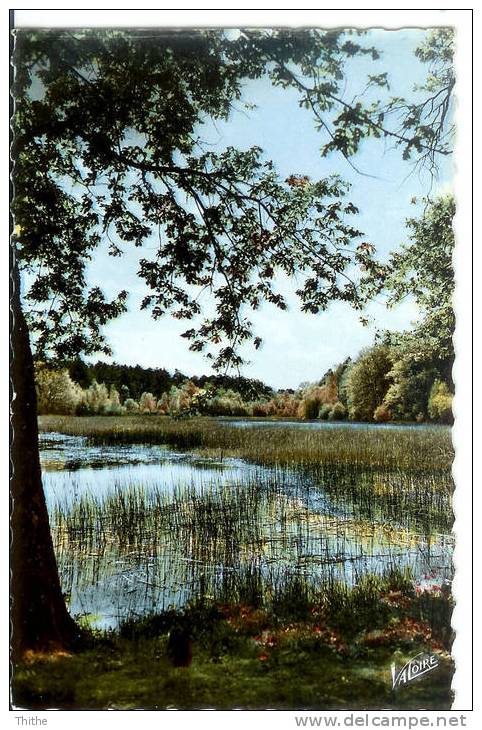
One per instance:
(384, 383)
(133, 380)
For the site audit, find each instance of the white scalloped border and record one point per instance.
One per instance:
(462, 431)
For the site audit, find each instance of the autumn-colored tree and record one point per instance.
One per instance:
(147, 403)
(440, 403)
(56, 391)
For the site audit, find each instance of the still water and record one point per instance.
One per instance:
(319, 425)
(140, 528)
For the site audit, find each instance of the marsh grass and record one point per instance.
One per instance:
(400, 476)
(412, 449)
(246, 542)
(419, 499)
(246, 539)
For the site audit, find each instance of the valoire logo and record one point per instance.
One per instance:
(416, 667)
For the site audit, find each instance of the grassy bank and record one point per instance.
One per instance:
(298, 650)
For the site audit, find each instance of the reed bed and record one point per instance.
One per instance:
(322, 561)
(401, 476)
(415, 499)
(414, 449)
(324, 506)
(235, 542)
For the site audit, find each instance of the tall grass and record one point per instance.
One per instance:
(401, 476)
(415, 499)
(408, 449)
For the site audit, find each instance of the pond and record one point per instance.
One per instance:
(319, 424)
(141, 528)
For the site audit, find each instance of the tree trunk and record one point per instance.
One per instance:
(39, 618)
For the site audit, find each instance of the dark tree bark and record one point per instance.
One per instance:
(39, 618)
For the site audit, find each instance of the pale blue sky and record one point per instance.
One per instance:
(297, 347)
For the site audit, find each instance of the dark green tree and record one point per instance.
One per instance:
(423, 269)
(367, 382)
(79, 372)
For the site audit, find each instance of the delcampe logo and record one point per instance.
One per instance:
(417, 666)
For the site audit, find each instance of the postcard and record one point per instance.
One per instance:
(239, 260)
